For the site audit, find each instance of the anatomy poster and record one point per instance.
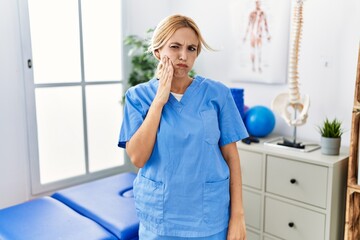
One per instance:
(260, 30)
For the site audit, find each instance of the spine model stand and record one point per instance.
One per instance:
(292, 100)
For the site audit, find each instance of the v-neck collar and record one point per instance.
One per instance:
(178, 105)
(187, 95)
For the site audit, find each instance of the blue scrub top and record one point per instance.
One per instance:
(183, 189)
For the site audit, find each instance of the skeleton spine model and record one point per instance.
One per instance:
(292, 100)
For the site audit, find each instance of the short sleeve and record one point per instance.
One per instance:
(231, 125)
(133, 118)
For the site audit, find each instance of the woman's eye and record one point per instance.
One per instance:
(192, 49)
(174, 46)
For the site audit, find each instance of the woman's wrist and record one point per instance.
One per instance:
(157, 103)
(239, 213)
(238, 218)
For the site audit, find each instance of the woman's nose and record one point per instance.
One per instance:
(183, 55)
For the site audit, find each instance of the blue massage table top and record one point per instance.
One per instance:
(46, 218)
(108, 201)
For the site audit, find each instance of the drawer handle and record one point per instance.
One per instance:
(291, 224)
(293, 181)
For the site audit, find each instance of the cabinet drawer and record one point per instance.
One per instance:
(252, 208)
(252, 236)
(251, 168)
(287, 221)
(297, 180)
(269, 238)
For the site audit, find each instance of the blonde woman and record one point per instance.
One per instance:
(181, 133)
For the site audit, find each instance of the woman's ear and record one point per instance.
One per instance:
(157, 54)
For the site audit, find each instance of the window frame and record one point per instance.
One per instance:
(32, 132)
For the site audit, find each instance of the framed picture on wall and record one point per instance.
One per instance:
(260, 30)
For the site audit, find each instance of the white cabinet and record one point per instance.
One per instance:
(292, 222)
(293, 195)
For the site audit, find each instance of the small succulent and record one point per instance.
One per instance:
(331, 129)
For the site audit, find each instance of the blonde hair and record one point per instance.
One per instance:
(168, 26)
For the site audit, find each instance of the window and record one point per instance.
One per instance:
(73, 49)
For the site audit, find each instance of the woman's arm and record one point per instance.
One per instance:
(141, 144)
(237, 228)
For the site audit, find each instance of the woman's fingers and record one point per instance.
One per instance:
(164, 73)
(161, 68)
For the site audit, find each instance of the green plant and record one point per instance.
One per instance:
(331, 129)
(143, 63)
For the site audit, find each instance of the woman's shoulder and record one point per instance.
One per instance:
(213, 85)
(142, 89)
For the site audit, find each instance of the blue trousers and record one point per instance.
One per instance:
(145, 234)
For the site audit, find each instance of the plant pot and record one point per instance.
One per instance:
(330, 146)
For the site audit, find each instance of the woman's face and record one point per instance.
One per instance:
(181, 48)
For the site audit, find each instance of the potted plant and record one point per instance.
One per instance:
(331, 132)
(143, 62)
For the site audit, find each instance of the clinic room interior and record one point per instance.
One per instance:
(65, 67)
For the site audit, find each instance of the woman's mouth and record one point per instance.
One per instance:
(181, 65)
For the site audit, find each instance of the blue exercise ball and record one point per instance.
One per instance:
(259, 121)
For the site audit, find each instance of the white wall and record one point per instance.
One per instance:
(331, 33)
(328, 59)
(14, 169)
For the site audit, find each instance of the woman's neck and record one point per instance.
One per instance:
(180, 85)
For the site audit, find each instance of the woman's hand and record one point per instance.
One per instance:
(237, 229)
(164, 73)
(141, 144)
